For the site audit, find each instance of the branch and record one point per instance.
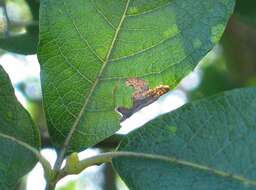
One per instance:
(7, 19)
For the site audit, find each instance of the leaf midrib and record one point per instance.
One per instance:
(186, 163)
(21, 143)
(76, 122)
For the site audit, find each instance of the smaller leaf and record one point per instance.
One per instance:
(24, 43)
(207, 145)
(15, 126)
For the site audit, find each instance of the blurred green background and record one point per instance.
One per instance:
(231, 64)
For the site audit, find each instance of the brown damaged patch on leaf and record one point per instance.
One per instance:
(140, 86)
(142, 96)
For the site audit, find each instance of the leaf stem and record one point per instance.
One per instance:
(107, 157)
(50, 186)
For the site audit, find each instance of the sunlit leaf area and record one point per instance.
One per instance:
(224, 62)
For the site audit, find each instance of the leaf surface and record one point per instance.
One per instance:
(15, 123)
(89, 48)
(207, 144)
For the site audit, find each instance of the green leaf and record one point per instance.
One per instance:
(24, 44)
(207, 144)
(16, 128)
(89, 48)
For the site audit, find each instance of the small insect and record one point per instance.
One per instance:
(142, 96)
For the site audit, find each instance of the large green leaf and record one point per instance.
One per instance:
(207, 144)
(15, 126)
(88, 48)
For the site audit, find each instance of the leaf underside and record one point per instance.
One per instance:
(213, 141)
(15, 122)
(88, 48)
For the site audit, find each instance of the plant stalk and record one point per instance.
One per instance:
(50, 186)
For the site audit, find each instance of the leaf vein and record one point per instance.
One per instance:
(104, 16)
(76, 122)
(80, 35)
(73, 67)
(151, 10)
